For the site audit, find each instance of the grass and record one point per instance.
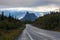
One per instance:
(11, 34)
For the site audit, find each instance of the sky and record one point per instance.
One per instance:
(30, 5)
(35, 5)
(27, 3)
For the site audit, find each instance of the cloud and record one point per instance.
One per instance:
(30, 5)
(17, 2)
(27, 3)
(47, 8)
(36, 9)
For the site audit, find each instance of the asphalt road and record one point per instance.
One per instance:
(33, 33)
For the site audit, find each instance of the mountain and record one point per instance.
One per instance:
(20, 14)
(13, 13)
(29, 17)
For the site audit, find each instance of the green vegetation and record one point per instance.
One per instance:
(50, 21)
(10, 27)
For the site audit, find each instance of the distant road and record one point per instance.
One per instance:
(33, 33)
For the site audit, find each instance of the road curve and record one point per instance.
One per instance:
(33, 33)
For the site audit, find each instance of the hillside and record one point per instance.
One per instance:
(10, 27)
(50, 21)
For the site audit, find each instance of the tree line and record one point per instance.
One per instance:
(8, 23)
(49, 21)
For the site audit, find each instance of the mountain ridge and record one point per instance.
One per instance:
(29, 17)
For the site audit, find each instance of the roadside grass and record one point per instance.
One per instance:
(11, 34)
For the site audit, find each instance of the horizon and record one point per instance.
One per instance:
(30, 5)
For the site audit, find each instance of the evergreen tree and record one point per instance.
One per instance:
(2, 16)
(49, 21)
(9, 17)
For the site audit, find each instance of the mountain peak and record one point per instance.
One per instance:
(29, 17)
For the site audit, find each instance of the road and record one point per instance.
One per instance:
(33, 33)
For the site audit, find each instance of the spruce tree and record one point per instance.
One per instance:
(2, 16)
(9, 17)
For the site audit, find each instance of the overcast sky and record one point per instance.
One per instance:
(27, 3)
(30, 3)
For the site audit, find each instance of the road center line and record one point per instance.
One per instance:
(29, 35)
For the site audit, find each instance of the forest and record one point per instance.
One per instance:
(49, 21)
(10, 27)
